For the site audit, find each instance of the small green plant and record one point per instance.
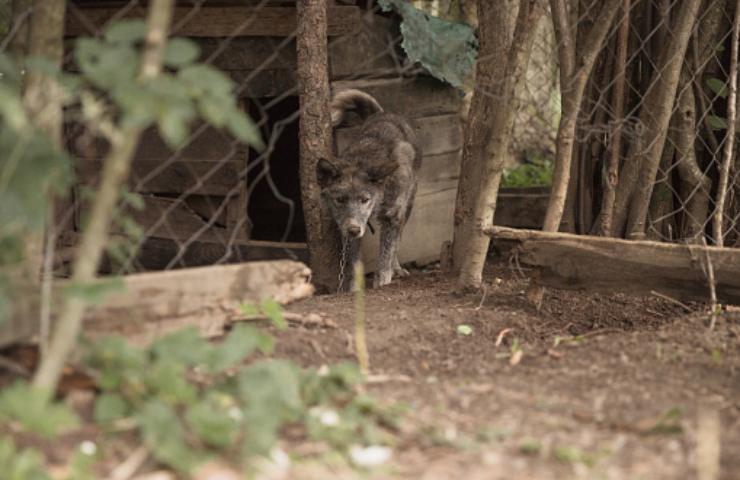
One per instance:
(536, 172)
(530, 446)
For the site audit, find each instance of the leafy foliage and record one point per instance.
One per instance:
(447, 49)
(21, 404)
(190, 402)
(536, 172)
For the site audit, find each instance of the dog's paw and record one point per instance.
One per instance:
(401, 272)
(381, 279)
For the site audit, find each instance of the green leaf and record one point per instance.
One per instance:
(126, 31)
(174, 128)
(110, 407)
(717, 123)
(274, 312)
(96, 291)
(446, 49)
(28, 407)
(717, 86)
(163, 433)
(180, 51)
(240, 343)
(215, 109)
(270, 386)
(119, 364)
(206, 79)
(167, 378)
(249, 309)
(183, 346)
(464, 330)
(17, 464)
(215, 425)
(243, 128)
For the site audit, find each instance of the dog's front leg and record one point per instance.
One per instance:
(352, 256)
(389, 235)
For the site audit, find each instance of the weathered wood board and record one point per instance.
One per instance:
(152, 304)
(635, 267)
(215, 21)
(148, 176)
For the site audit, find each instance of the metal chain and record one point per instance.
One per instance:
(342, 264)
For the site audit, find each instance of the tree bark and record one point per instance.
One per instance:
(638, 176)
(315, 141)
(19, 27)
(495, 33)
(472, 241)
(94, 239)
(611, 172)
(574, 74)
(695, 189)
(728, 155)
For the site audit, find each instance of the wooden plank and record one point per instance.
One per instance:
(205, 144)
(437, 134)
(152, 304)
(215, 21)
(428, 228)
(416, 97)
(371, 49)
(174, 219)
(157, 253)
(636, 267)
(198, 178)
(444, 167)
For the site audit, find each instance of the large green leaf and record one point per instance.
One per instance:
(446, 49)
(180, 52)
(164, 434)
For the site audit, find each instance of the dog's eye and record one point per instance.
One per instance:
(341, 199)
(365, 200)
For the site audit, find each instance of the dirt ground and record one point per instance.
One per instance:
(607, 386)
(604, 386)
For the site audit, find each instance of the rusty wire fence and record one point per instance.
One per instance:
(657, 100)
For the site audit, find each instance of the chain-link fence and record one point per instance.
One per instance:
(215, 200)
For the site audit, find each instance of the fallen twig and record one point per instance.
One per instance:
(712, 287)
(500, 337)
(672, 300)
(310, 320)
(131, 465)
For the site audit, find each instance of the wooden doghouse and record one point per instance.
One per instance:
(213, 201)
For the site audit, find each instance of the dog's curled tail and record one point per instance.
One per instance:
(352, 100)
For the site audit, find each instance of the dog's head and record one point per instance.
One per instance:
(352, 192)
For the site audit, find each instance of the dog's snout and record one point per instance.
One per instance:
(354, 230)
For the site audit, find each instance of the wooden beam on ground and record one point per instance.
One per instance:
(152, 304)
(216, 21)
(636, 267)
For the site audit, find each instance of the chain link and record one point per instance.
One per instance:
(342, 264)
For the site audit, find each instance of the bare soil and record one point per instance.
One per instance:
(618, 397)
(605, 386)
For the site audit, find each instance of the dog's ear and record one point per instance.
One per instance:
(380, 172)
(404, 153)
(326, 172)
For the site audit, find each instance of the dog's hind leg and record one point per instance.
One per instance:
(398, 270)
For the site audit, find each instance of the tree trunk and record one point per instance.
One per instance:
(640, 170)
(611, 172)
(44, 30)
(19, 27)
(574, 74)
(315, 141)
(495, 139)
(495, 38)
(724, 174)
(695, 185)
(94, 239)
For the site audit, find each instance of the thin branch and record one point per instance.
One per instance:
(95, 237)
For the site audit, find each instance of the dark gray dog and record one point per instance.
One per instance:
(374, 176)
